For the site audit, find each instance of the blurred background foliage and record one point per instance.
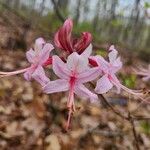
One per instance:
(125, 23)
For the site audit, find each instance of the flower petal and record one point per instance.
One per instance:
(28, 74)
(81, 44)
(102, 63)
(39, 43)
(87, 52)
(45, 52)
(113, 55)
(116, 82)
(56, 86)
(116, 65)
(60, 68)
(39, 76)
(111, 48)
(82, 91)
(88, 75)
(30, 55)
(103, 85)
(76, 62)
(62, 38)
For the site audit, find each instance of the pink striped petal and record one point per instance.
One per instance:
(111, 48)
(39, 43)
(62, 38)
(30, 55)
(45, 52)
(82, 91)
(39, 76)
(76, 62)
(89, 75)
(103, 85)
(28, 74)
(116, 82)
(56, 86)
(87, 52)
(60, 68)
(113, 55)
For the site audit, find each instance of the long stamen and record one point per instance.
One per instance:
(70, 102)
(69, 118)
(136, 93)
(4, 74)
(70, 105)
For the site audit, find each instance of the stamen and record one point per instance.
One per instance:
(69, 119)
(136, 93)
(4, 74)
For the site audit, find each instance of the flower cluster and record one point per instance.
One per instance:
(74, 67)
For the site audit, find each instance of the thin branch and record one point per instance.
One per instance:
(111, 107)
(57, 10)
(137, 118)
(134, 131)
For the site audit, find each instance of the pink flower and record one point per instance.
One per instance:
(63, 39)
(72, 76)
(37, 58)
(145, 73)
(108, 71)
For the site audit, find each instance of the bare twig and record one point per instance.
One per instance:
(111, 107)
(134, 131)
(57, 10)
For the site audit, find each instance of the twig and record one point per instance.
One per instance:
(59, 14)
(112, 108)
(134, 131)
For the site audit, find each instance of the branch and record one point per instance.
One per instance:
(134, 131)
(58, 13)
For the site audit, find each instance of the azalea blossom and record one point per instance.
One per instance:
(108, 70)
(63, 39)
(145, 73)
(72, 75)
(37, 57)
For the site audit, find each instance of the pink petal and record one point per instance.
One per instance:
(117, 63)
(39, 43)
(81, 44)
(103, 85)
(56, 41)
(63, 38)
(102, 63)
(111, 48)
(30, 55)
(87, 52)
(56, 86)
(113, 55)
(76, 62)
(28, 74)
(39, 76)
(115, 66)
(45, 52)
(82, 91)
(60, 68)
(116, 82)
(88, 75)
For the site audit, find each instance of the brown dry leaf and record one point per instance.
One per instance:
(14, 129)
(88, 121)
(77, 133)
(53, 142)
(34, 125)
(94, 110)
